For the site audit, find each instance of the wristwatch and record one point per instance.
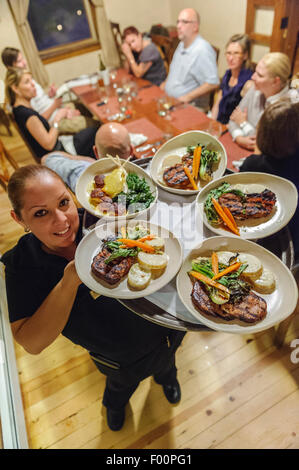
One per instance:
(243, 124)
(55, 124)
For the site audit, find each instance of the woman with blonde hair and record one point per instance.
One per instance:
(270, 80)
(42, 136)
(236, 80)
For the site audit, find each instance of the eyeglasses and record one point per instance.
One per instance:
(185, 21)
(234, 54)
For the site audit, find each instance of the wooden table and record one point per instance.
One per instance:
(144, 118)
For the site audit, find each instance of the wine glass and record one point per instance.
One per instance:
(163, 106)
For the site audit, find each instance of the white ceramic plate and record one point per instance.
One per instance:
(176, 147)
(105, 166)
(286, 203)
(280, 304)
(90, 246)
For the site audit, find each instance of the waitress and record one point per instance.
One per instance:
(46, 297)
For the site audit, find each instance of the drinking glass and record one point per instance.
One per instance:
(163, 106)
(215, 129)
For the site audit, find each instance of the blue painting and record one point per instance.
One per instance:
(56, 22)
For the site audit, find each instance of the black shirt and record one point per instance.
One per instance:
(101, 325)
(287, 168)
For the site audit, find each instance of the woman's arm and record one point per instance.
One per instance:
(49, 111)
(39, 331)
(47, 139)
(138, 69)
(215, 109)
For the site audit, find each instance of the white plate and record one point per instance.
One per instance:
(103, 166)
(286, 203)
(177, 146)
(90, 246)
(280, 304)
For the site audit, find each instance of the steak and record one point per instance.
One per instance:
(250, 309)
(99, 181)
(175, 176)
(112, 272)
(254, 205)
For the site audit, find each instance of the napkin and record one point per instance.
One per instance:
(137, 139)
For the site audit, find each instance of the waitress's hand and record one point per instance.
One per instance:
(70, 276)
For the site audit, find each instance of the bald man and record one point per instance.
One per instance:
(111, 138)
(193, 71)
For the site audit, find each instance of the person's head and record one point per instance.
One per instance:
(133, 38)
(237, 51)
(113, 138)
(42, 203)
(188, 25)
(272, 73)
(18, 84)
(278, 130)
(12, 57)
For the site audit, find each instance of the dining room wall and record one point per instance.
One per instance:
(219, 20)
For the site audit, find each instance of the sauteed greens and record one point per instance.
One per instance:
(209, 207)
(207, 160)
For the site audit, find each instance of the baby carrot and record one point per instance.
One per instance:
(196, 161)
(230, 269)
(224, 217)
(209, 281)
(215, 266)
(137, 243)
(231, 217)
(187, 171)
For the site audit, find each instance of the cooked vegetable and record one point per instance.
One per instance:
(208, 281)
(231, 217)
(266, 283)
(229, 269)
(152, 261)
(254, 266)
(187, 171)
(196, 162)
(147, 237)
(215, 193)
(207, 161)
(117, 251)
(136, 243)
(138, 197)
(224, 217)
(215, 266)
(138, 277)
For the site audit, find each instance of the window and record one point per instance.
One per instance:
(60, 28)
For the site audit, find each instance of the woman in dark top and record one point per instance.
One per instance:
(278, 141)
(46, 297)
(236, 80)
(143, 57)
(41, 137)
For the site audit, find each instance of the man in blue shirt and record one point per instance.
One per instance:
(193, 71)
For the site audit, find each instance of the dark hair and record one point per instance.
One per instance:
(278, 130)
(244, 42)
(17, 183)
(130, 30)
(9, 56)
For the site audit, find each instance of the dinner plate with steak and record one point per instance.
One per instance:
(186, 163)
(247, 205)
(236, 286)
(128, 259)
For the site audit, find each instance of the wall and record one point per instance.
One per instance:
(219, 20)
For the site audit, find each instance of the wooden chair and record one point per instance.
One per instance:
(166, 46)
(4, 119)
(6, 160)
(213, 93)
(118, 40)
(31, 151)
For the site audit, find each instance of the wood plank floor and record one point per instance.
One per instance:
(237, 391)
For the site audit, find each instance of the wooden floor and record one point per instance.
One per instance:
(237, 391)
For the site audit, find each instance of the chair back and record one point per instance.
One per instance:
(166, 47)
(21, 134)
(6, 163)
(212, 94)
(118, 40)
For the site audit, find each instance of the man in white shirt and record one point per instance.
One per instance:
(193, 71)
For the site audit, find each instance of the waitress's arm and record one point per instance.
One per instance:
(37, 332)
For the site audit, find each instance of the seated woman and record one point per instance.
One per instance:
(46, 297)
(236, 80)
(143, 58)
(278, 141)
(270, 84)
(41, 137)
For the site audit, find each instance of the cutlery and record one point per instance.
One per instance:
(147, 146)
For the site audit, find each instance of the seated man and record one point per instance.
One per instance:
(46, 104)
(193, 71)
(112, 138)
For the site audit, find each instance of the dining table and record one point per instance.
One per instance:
(135, 103)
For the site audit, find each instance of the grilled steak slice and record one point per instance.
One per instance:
(260, 204)
(111, 272)
(234, 203)
(97, 193)
(175, 175)
(251, 309)
(256, 205)
(202, 301)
